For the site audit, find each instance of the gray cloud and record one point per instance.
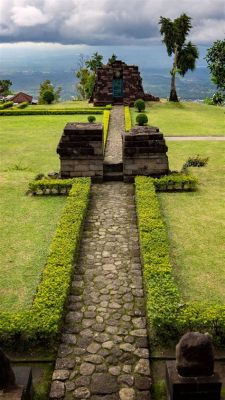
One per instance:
(102, 22)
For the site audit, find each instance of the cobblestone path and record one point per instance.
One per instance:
(113, 152)
(104, 351)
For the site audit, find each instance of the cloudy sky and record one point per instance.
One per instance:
(106, 22)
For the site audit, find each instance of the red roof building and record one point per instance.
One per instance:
(21, 97)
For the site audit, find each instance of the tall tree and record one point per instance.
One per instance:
(94, 62)
(47, 86)
(185, 54)
(215, 58)
(5, 87)
(86, 74)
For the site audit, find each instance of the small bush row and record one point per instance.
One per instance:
(106, 118)
(127, 117)
(8, 104)
(169, 317)
(175, 182)
(41, 323)
(51, 112)
(50, 186)
(22, 105)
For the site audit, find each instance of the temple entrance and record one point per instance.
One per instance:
(117, 88)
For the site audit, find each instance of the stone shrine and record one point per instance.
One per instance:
(192, 376)
(119, 83)
(81, 151)
(144, 153)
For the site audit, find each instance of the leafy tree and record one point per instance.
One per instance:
(112, 59)
(86, 74)
(85, 84)
(48, 96)
(5, 87)
(185, 54)
(47, 86)
(94, 62)
(215, 58)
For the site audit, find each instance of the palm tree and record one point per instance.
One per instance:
(185, 54)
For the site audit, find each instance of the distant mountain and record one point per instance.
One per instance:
(28, 67)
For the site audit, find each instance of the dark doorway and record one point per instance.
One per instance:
(117, 88)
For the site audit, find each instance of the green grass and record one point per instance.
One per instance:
(196, 224)
(185, 119)
(28, 146)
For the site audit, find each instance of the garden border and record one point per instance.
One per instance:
(41, 323)
(127, 119)
(81, 111)
(169, 317)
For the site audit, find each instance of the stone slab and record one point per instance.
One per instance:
(191, 388)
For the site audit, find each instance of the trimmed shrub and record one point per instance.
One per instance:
(48, 186)
(169, 316)
(141, 119)
(91, 118)
(139, 105)
(8, 104)
(22, 105)
(28, 111)
(175, 182)
(108, 107)
(41, 324)
(127, 116)
(106, 119)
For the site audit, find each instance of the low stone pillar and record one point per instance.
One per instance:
(144, 153)
(192, 376)
(16, 382)
(81, 151)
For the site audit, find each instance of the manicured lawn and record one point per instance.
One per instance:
(185, 119)
(196, 224)
(28, 147)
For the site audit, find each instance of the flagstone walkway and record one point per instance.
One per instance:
(113, 152)
(104, 348)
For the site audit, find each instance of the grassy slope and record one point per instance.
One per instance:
(196, 224)
(186, 119)
(28, 146)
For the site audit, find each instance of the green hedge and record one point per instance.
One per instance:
(106, 118)
(51, 186)
(22, 105)
(127, 117)
(28, 111)
(169, 317)
(41, 323)
(175, 182)
(8, 104)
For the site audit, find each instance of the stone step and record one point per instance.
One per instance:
(113, 176)
(112, 167)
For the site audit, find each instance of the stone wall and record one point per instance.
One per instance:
(144, 153)
(81, 151)
(132, 85)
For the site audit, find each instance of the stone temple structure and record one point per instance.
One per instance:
(119, 83)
